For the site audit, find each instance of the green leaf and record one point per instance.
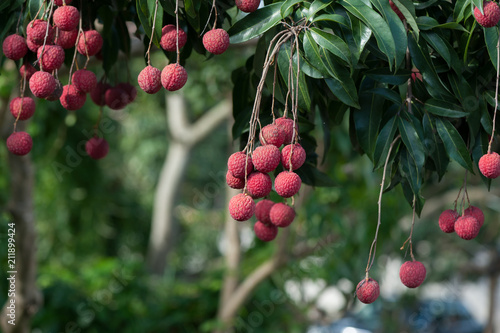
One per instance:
(445, 109)
(144, 15)
(356, 37)
(312, 54)
(332, 43)
(409, 195)
(190, 8)
(255, 23)
(333, 18)
(341, 84)
(310, 175)
(287, 7)
(388, 94)
(410, 171)
(453, 143)
(316, 6)
(385, 75)
(478, 4)
(407, 8)
(434, 145)
(460, 9)
(427, 23)
(412, 142)
(491, 40)
(444, 49)
(34, 6)
(383, 143)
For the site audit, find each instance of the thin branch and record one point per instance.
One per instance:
(496, 96)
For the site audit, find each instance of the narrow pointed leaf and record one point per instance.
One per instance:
(454, 144)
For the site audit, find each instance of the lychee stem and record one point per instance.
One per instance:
(148, 53)
(409, 239)
(274, 90)
(214, 8)
(39, 60)
(75, 61)
(496, 96)
(96, 125)
(177, 29)
(19, 19)
(38, 12)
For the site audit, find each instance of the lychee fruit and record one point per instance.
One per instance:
(467, 227)
(266, 158)
(60, 2)
(116, 98)
(489, 165)
(412, 273)
(367, 290)
(259, 184)
(52, 57)
(265, 232)
(491, 14)
(66, 18)
(396, 10)
(56, 94)
(129, 89)
(281, 215)
(298, 156)
(233, 182)
(32, 46)
(447, 220)
(262, 210)
(84, 80)
(149, 80)
(36, 30)
(272, 135)
(19, 143)
(72, 98)
(247, 6)
(25, 111)
(477, 213)
(98, 93)
(287, 184)
(241, 207)
(216, 41)
(286, 125)
(66, 39)
(27, 69)
(14, 47)
(42, 84)
(236, 164)
(173, 77)
(90, 42)
(97, 148)
(168, 40)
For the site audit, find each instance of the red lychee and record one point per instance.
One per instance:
(298, 156)
(259, 184)
(27, 109)
(56, 94)
(19, 143)
(66, 18)
(116, 98)
(266, 158)
(265, 232)
(98, 93)
(173, 77)
(84, 80)
(233, 182)
(489, 165)
(272, 135)
(28, 70)
(447, 220)
(477, 213)
(236, 164)
(262, 209)
(67, 39)
(216, 41)
(367, 290)
(129, 89)
(90, 41)
(396, 10)
(36, 30)
(97, 148)
(247, 6)
(72, 98)
(52, 57)
(168, 40)
(149, 79)
(281, 215)
(467, 227)
(60, 2)
(32, 46)
(491, 14)
(14, 47)
(241, 207)
(286, 125)
(412, 273)
(42, 84)
(287, 184)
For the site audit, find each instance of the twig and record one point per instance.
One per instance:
(148, 53)
(409, 239)
(496, 96)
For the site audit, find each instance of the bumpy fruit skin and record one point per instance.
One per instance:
(236, 164)
(491, 14)
(266, 158)
(412, 273)
(42, 84)
(216, 41)
(97, 148)
(247, 6)
(129, 89)
(298, 156)
(262, 210)
(477, 213)
(149, 80)
(94, 42)
(27, 110)
(467, 227)
(116, 98)
(72, 99)
(35, 32)
(66, 39)
(259, 184)
(98, 93)
(56, 94)
(66, 18)
(60, 2)
(28, 70)
(265, 232)
(52, 57)
(447, 220)
(287, 184)
(19, 143)
(14, 47)
(32, 46)
(241, 207)
(489, 165)
(233, 182)
(281, 215)
(272, 135)
(84, 80)
(396, 10)
(367, 290)
(168, 40)
(173, 77)
(286, 124)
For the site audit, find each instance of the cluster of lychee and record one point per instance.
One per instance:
(466, 225)
(250, 172)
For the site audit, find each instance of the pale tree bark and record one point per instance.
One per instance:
(183, 136)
